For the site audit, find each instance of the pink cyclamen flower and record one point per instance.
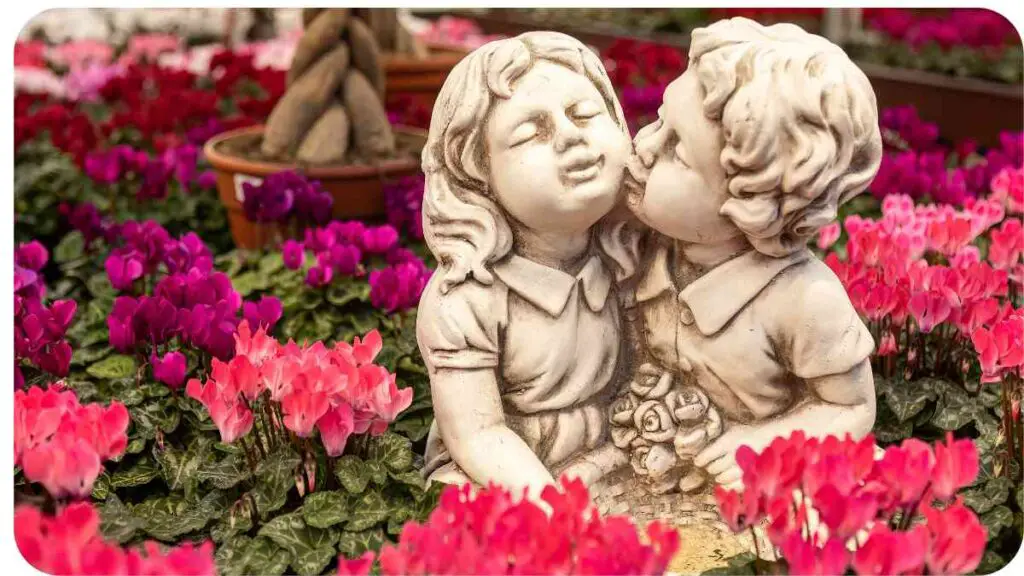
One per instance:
(956, 466)
(957, 540)
(263, 314)
(170, 369)
(335, 428)
(828, 235)
(380, 239)
(293, 253)
(929, 309)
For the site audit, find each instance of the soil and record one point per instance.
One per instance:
(407, 147)
(705, 541)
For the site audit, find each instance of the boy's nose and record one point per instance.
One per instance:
(567, 134)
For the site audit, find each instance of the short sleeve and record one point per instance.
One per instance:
(460, 329)
(820, 332)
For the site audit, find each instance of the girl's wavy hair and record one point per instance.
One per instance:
(463, 224)
(800, 126)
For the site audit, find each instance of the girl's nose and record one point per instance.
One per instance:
(567, 133)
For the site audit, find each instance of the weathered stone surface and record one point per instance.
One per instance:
(321, 35)
(327, 141)
(304, 101)
(366, 54)
(371, 131)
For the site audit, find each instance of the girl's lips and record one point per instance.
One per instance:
(582, 170)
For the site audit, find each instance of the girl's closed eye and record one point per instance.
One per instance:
(585, 110)
(524, 133)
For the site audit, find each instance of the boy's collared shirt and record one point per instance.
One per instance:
(752, 330)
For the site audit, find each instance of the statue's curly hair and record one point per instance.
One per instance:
(800, 127)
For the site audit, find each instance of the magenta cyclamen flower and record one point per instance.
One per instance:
(124, 266)
(103, 167)
(380, 239)
(263, 314)
(345, 259)
(31, 255)
(293, 254)
(170, 369)
(120, 324)
(267, 202)
(319, 275)
(207, 179)
(398, 287)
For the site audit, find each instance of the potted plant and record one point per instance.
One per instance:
(330, 125)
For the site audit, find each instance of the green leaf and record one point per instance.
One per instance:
(325, 509)
(141, 473)
(378, 472)
(83, 356)
(266, 558)
(248, 283)
(991, 562)
(230, 556)
(907, 399)
(111, 367)
(412, 478)
(116, 521)
(354, 544)
(271, 263)
(987, 497)
(353, 473)
(393, 450)
(311, 299)
(341, 294)
(156, 414)
(236, 520)
(136, 446)
(414, 426)
(1020, 497)
(275, 477)
(368, 511)
(70, 247)
(126, 391)
(996, 519)
(155, 390)
(313, 562)
(181, 467)
(101, 487)
(291, 532)
(225, 473)
(955, 410)
(100, 287)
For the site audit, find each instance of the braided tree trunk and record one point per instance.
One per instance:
(334, 101)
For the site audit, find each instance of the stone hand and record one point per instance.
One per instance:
(719, 458)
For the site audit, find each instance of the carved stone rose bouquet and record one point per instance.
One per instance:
(663, 425)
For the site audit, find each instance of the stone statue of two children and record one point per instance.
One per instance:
(604, 302)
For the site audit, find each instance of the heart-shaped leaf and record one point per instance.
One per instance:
(225, 473)
(117, 522)
(313, 562)
(368, 511)
(393, 450)
(354, 544)
(180, 468)
(353, 473)
(991, 494)
(111, 367)
(291, 532)
(69, 248)
(266, 558)
(325, 509)
(142, 472)
(996, 520)
(230, 555)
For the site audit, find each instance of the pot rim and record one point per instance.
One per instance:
(237, 164)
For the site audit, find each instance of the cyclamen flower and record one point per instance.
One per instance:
(398, 287)
(380, 239)
(170, 369)
(232, 418)
(60, 443)
(293, 254)
(71, 543)
(263, 314)
(459, 537)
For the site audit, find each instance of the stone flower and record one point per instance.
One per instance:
(621, 415)
(690, 440)
(651, 383)
(653, 461)
(687, 404)
(654, 421)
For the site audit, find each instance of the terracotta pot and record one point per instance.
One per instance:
(358, 189)
(421, 77)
